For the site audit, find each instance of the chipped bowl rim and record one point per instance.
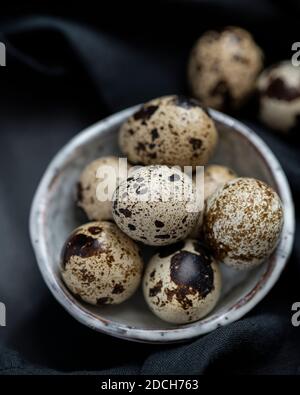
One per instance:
(243, 305)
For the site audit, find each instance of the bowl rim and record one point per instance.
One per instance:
(276, 262)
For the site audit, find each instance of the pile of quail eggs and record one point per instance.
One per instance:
(238, 225)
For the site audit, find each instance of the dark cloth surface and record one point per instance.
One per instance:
(67, 68)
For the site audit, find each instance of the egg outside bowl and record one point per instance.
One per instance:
(53, 216)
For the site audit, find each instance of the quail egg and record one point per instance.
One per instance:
(97, 184)
(242, 222)
(100, 264)
(182, 283)
(171, 130)
(156, 205)
(215, 176)
(279, 96)
(223, 67)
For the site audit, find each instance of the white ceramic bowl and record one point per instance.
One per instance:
(53, 216)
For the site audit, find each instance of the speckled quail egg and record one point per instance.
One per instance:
(242, 222)
(171, 130)
(100, 264)
(223, 67)
(97, 184)
(156, 205)
(182, 283)
(279, 96)
(215, 176)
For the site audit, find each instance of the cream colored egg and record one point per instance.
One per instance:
(156, 205)
(171, 130)
(215, 176)
(97, 184)
(182, 283)
(223, 67)
(100, 264)
(279, 95)
(243, 222)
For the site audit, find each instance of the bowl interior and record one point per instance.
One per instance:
(60, 216)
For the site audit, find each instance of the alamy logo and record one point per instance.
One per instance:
(2, 314)
(296, 315)
(2, 54)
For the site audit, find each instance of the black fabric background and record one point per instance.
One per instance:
(69, 66)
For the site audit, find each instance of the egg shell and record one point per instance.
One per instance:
(96, 180)
(223, 67)
(100, 264)
(279, 96)
(215, 176)
(182, 283)
(171, 130)
(242, 222)
(155, 205)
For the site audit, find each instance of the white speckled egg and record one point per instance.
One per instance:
(242, 222)
(182, 283)
(223, 67)
(97, 184)
(171, 130)
(156, 205)
(279, 92)
(100, 264)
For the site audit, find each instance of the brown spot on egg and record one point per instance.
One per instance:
(79, 192)
(141, 190)
(196, 143)
(221, 89)
(86, 276)
(154, 134)
(194, 271)
(240, 58)
(125, 212)
(156, 289)
(105, 300)
(82, 246)
(181, 295)
(277, 89)
(145, 113)
(118, 289)
(95, 230)
(159, 224)
(140, 147)
(174, 177)
(152, 274)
